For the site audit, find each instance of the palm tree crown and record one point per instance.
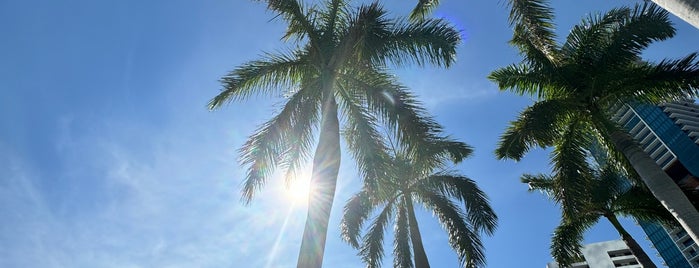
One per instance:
(576, 84)
(350, 50)
(410, 180)
(339, 62)
(608, 194)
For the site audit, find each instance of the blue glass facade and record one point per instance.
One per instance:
(687, 153)
(685, 149)
(664, 245)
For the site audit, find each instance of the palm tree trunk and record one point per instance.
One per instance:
(636, 249)
(687, 10)
(326, 166)
(415, 237)
(659, 183)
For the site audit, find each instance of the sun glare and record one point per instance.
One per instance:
(298, 190)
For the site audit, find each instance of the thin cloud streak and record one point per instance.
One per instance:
(170, 204)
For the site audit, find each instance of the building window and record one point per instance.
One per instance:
(688, 242)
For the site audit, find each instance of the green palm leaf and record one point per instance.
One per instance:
(364, 141)
(665, 81)
(372, 245)
(535, 35)
(266, 76)
(641, 26)
(431, 41)
(569, 159)
(463, 240)
(567, 240)
(536, 126)
(422, 9)
(356, 212)
(267, 147)
(300, 24)
(465, 190)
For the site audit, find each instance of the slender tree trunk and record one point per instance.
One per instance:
(687, 10)
(326, 165)
(415, 237)
(659, 183)
(636, 249)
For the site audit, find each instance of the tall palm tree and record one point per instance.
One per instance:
(578, 82)
(339, 63)
(416, 180)
(687, 10)
(608, 195)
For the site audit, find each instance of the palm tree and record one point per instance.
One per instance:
(608, 194)
(339, 62)
(578, 82)
(687, 10)
(413, 180)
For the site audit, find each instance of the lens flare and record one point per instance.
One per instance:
(300, 187)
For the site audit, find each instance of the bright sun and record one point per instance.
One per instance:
(298, 190)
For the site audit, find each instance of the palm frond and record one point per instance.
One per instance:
(534, 28)
(423, 9)
(540, 182)
(444, 149)
(364, 141)
(300, 137)
(398, 109)
(604, 127)
(298, 18)
(635, 31)
(355, 213)
(588, 40)
(607, 185)
(527, 48)
(432, 41)
(335, 19)
(267, 148)
(402, 256)
(480, 215)
(274, 72)
(367, 28)
(571, 169)
(665, 81)
(437, 153)
(462, 237)
(567, 240)
(371, 250)
(524, 80)
(639, 203)
(537, 125)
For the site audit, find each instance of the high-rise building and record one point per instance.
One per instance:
(609, 254)
(669, 133)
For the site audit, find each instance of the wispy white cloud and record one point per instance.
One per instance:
(166, 201)
(435, 91)
(27, 225)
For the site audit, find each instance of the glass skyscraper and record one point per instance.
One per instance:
(669, 133)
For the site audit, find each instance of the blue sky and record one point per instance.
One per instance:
(110, 158)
